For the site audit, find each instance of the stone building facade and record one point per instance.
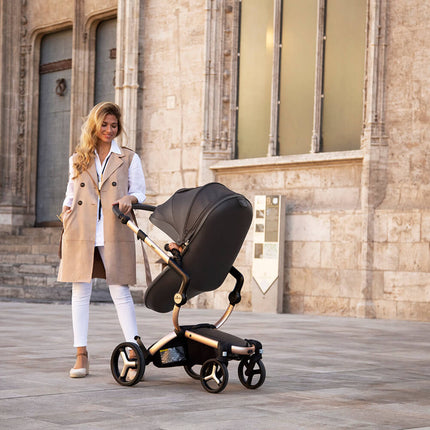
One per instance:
(199, 88)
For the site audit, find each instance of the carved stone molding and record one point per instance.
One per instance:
(127, 67)
(24, 50)
(318, 93)
(374, 147)
(81, 98)
(374, 139)
(220, 79)
(374, 100)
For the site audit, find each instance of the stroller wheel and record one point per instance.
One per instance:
(214, 376)
(127, 367)
(190, 371)
(250, 368)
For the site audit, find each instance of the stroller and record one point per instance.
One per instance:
(209, 224)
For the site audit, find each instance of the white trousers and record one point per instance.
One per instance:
(123, 301)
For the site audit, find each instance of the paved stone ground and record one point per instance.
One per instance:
(322, 373)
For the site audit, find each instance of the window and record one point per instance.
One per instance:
(255, 77)
(301, 75)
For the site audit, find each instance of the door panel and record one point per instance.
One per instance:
(54, 125)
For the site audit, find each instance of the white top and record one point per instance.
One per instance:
(136, 184)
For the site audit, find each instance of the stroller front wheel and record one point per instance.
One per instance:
(127, 364)
(214, 376)
(252, 373)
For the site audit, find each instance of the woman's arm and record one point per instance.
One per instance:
(136, 180)
(136, 186)
(68, 200)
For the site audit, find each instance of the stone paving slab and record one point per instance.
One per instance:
(322, 373)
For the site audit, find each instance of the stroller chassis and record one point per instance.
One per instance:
(128, 360)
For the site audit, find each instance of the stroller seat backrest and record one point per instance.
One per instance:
(211, 223)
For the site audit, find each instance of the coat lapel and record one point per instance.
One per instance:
(115, 161)
(93, 173)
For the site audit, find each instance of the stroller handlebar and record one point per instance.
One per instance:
(140, 206)
(124, 218)
(144, 207)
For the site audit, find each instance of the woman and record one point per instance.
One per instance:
(95, 244)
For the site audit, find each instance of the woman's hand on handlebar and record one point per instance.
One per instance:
(125, 203)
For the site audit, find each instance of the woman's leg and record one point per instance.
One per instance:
(81, 295)
(124, 305)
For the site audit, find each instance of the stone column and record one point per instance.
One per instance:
(127, 67)
(220, 85)
(374, 146)
(14, 147)
(319, 60)
(81, 98)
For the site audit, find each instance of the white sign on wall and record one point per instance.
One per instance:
(265, 267)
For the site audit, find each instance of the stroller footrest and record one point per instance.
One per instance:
(220, 340)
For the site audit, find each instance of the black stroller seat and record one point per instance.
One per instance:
(209, 225)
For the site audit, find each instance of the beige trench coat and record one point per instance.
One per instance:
(78, 258)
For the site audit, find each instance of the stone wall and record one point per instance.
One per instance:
(173, 83)
(402, 264)
(323, 253)
(407, 113)
(401, 239)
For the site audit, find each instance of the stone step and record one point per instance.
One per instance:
(27, 248)
(41, 231)
(33, 269)
(41, 235)
(29, 266)
(58, 292)
(15, 248)
(9, 258)
(55, 293)
(28, 240)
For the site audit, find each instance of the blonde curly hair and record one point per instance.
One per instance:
(85, 150)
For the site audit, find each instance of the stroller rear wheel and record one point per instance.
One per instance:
(127, 364)
(190, 371)
(214, 376)
(249, 368)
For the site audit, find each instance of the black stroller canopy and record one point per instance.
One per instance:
(212, 221)
(180, 215)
